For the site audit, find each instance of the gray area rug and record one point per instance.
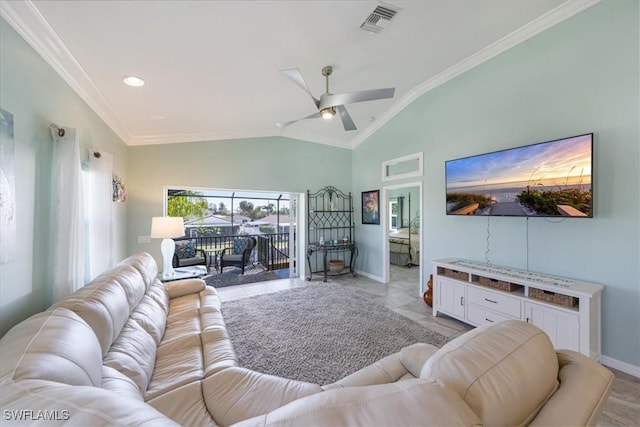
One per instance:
(317, 333)
(233, 277)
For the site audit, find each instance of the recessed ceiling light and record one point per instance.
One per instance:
(133, 81)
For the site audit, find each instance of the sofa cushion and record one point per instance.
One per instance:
(133, 353)
(178, 362)
(151, 316)
(217, 350)
(146, 266)
(184, 405)
(188, 262)
(119, 383)
(107, 302)
(413, 402)
(158, 292)
(55, 345)
(504, 372)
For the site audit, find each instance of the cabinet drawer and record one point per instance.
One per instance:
(481, 316)
(496, 301)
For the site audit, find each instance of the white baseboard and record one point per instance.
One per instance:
(370, 276)
(627, 368)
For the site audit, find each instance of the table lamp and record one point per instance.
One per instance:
(166, 227)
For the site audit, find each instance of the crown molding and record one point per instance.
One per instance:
(178, 138)
(542, 23)
(25, 18)
(175, 138)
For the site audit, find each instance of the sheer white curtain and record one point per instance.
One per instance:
(82, 222)
(98, 209)
(67, 214)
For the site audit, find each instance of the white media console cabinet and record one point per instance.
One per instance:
(568, 310)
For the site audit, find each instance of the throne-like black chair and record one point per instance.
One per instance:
(239, 255)
(186, 254)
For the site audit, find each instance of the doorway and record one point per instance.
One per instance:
(216, 218)
(402, 236)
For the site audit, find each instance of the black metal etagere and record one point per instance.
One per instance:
(330, 232)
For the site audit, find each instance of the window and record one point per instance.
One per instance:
(402, 167)
(393, 215)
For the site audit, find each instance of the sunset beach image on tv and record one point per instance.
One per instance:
(549, 179)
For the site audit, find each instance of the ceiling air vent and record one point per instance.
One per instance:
(380, 18)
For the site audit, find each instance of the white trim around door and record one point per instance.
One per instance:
(384, 205)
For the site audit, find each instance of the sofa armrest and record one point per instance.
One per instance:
(414, 357)
(581, 380)
(386, 370)
(413, 402)
(179, 288)
(76, 405)
(235, 394)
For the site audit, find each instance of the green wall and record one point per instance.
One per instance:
(580, 76)
(577, 77)
(269, 164)
(37, 96)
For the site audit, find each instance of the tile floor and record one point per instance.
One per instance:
(402, 295)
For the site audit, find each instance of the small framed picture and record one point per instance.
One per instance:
(371, 207)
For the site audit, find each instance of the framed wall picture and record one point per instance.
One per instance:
(371, 207)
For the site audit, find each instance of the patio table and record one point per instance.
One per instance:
(213, 255)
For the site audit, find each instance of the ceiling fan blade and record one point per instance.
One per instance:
(347, 121)
(295, 76)
(310, 116)
(332, 100)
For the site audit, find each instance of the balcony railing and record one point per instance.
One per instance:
(272, 250)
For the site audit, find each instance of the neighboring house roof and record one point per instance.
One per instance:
(225, 221)
(273, 219)
(209, 221)
(238, 219)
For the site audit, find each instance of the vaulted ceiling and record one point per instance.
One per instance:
(212, 68)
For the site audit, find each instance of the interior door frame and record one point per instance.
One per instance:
(385, 235)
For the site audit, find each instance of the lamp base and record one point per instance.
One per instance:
(167, 247)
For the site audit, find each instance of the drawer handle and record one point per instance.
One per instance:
(488, 320)
(461, 300)
(491, 301)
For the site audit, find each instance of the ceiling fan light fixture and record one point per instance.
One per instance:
(328, 113)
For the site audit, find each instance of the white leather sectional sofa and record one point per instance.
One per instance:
(128, 350)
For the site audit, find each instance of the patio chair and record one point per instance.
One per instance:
(241, 253)
(187, 255)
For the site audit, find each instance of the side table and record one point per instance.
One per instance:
(326, 248)
(185, 273)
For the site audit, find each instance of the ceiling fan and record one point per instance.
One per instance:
(329, 104)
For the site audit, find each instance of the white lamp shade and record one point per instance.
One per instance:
(163, 227)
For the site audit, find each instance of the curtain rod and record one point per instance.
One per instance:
(62, 132)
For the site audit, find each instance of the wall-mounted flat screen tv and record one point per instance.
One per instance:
(548, 179)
